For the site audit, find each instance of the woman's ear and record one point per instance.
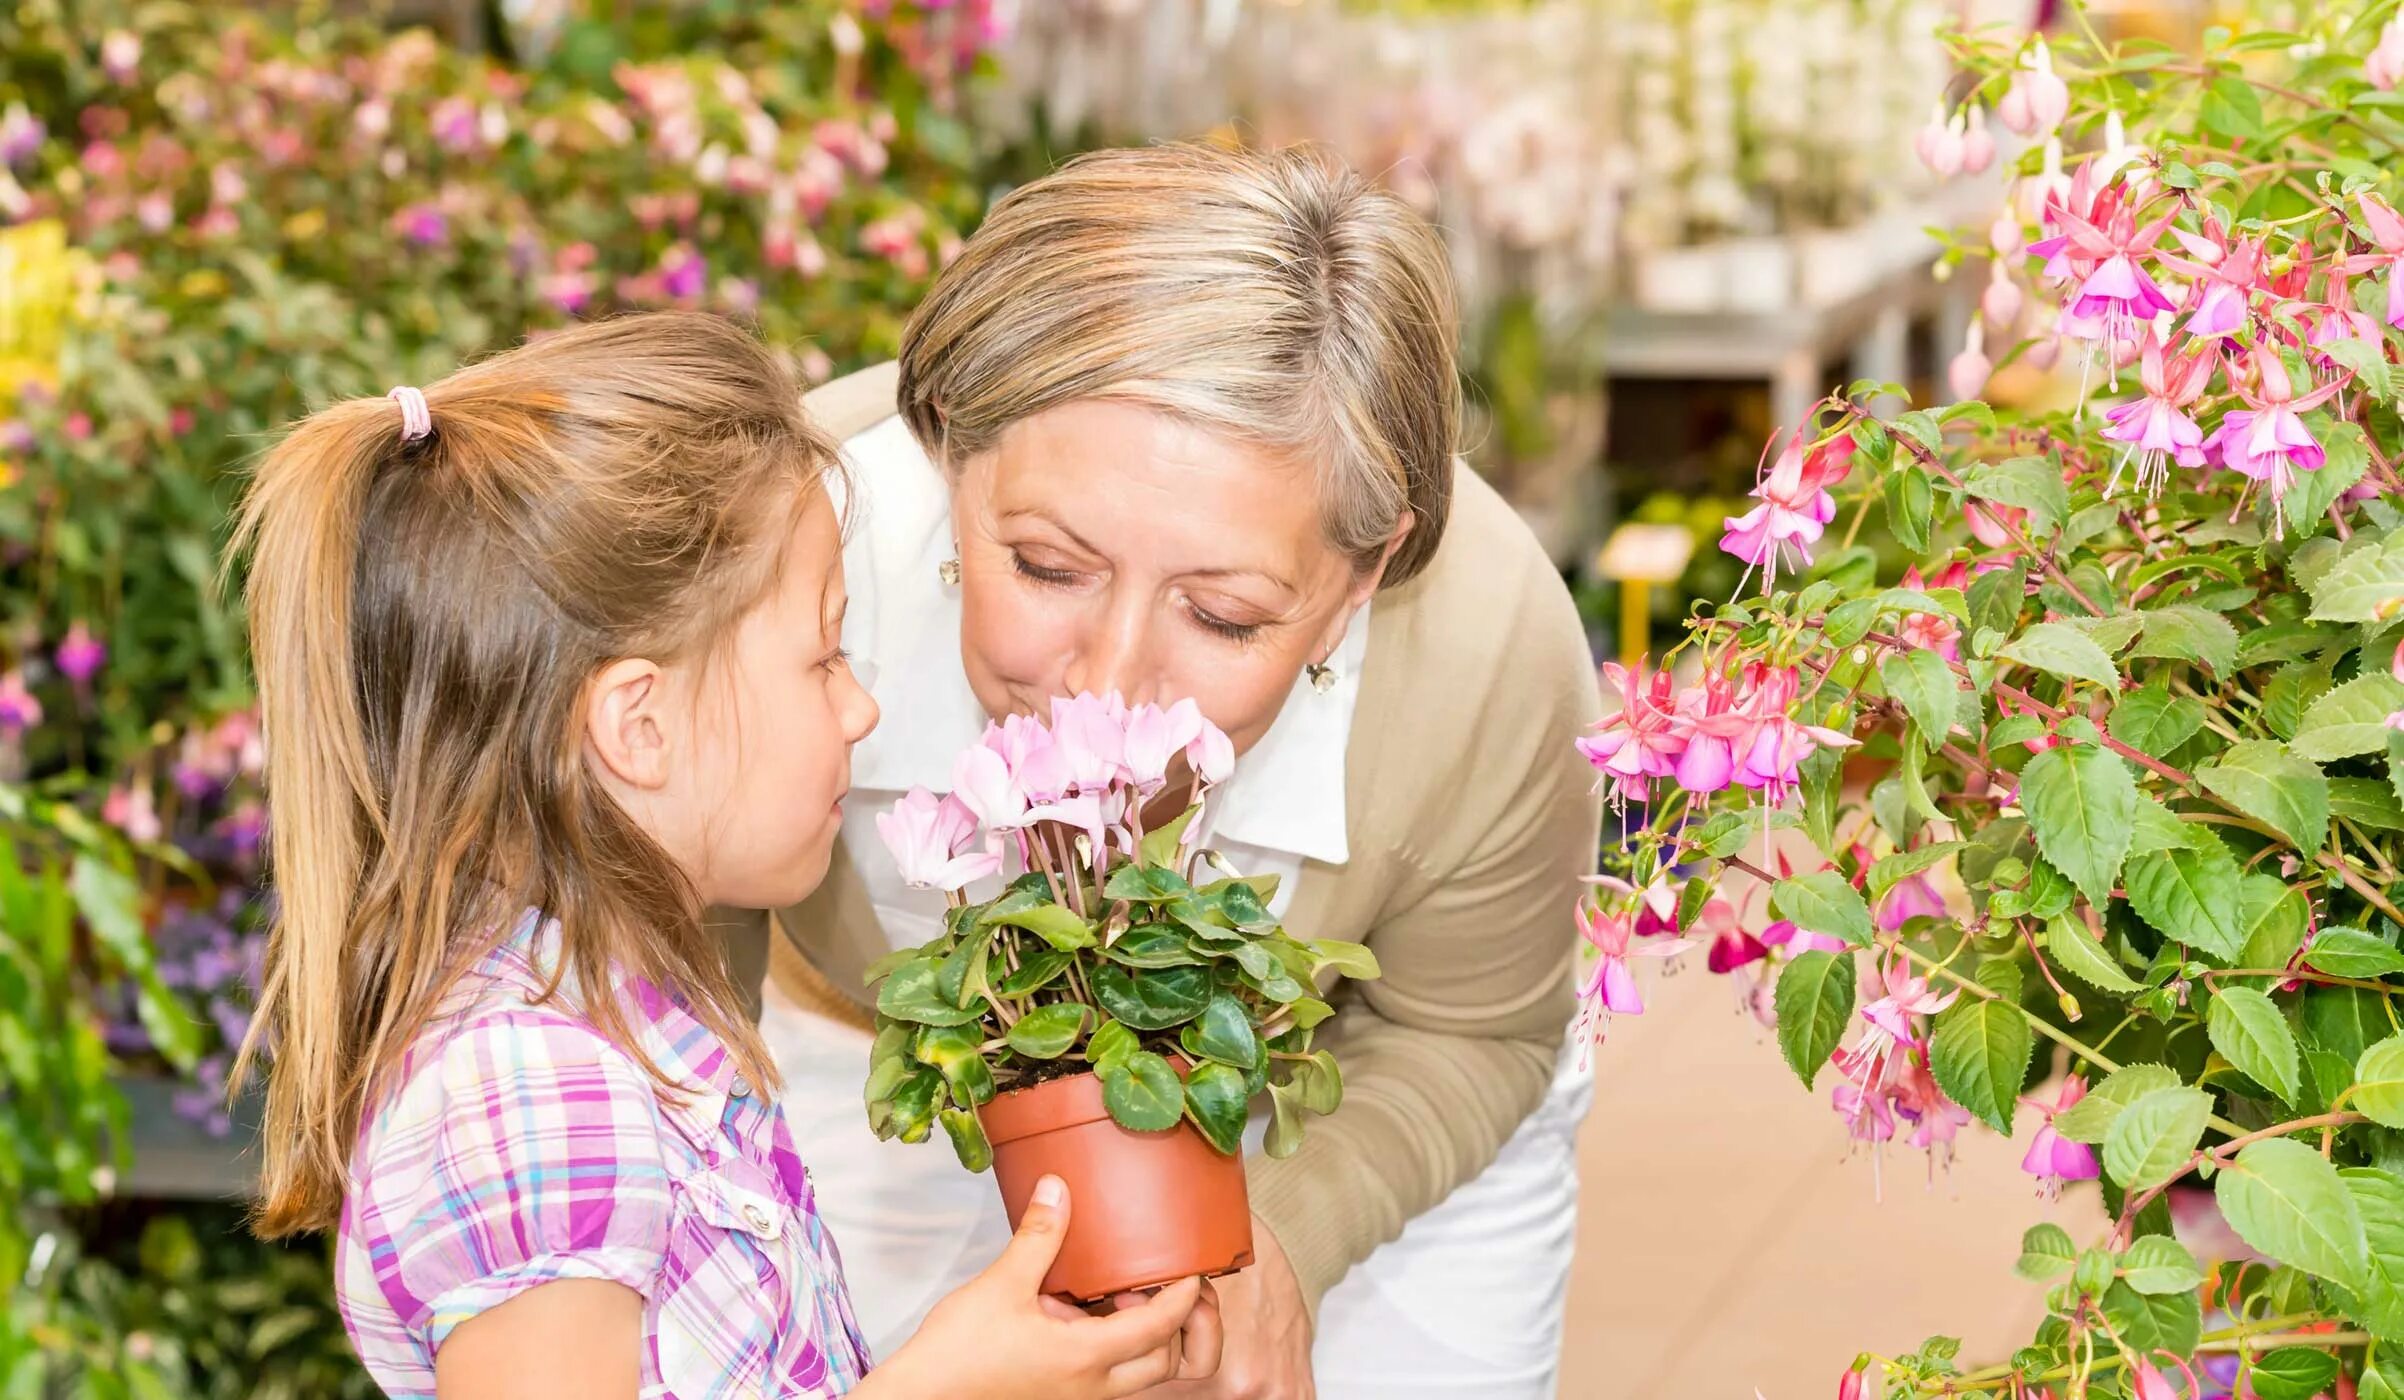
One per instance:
(1369, 580)
(626, 722)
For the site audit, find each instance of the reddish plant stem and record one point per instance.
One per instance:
(1936, 464)
(2221, 1156)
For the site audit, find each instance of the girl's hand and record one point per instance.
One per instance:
(1000, 1337)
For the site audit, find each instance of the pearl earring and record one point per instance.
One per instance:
(949, 572)
(1322, 676)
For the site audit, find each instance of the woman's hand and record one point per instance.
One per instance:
(1268, 1346)
(1000, 1337)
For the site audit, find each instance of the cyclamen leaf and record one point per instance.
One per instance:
(2263, 780)
(2082, 806)
(2185, 632)
(2350, 719)
(2064, 651)
(1979, 1053)
(1142, 1092)
(2091, 1118)
(2251, 1034)
(1215, 1099)
(1814, 1000)
(1047, 1032)
(2191, 896)
(2154, 1139)
(2285, 1200)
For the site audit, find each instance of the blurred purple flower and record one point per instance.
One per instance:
(423, 224)
(80, 655)
(18, 709)
(21, 134)
(684, 273)
(455, 125)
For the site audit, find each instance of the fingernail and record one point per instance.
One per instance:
(1050, 1191)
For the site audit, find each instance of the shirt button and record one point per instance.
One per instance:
(740, 1089)
(757, 1218)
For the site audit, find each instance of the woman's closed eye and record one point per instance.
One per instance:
(1238, 632)
(1058, 578)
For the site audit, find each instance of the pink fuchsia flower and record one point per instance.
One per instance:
(2387, 232)
(132, 811)
(80, 655)
(1993, 525)
(1978, 144)
(2156, 428)
(1795, 505)
(1913, 897)
(929, 837)
(19, 710)
(2267, 441)
(1731, 947)
(1780, 743)
(2117, 298)
(2223, 276)
(2384, 65)
(2053, 1159)
(1935, 632)
(1902, 997)
(2333, 317)
(1796, 941)
(1641, 742)
(2037, 99)
(1712, 720)
(1154, 737)
(2000, 303)
(2151, 1384)
(1609, 986)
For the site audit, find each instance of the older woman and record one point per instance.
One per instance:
(1181, 422)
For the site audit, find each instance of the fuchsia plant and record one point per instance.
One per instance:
(2115, 770)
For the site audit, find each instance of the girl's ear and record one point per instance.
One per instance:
(627, 724)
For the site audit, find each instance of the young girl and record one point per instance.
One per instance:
(548, 656)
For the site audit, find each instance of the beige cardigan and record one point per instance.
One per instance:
(1470, 820)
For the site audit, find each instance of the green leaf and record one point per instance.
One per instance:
(1160, 844)
(2157, 828)
(2345, 952)
(2111, 633)
(1152, 1001)
(2365, 578)
(1110, 1041)
(910, 994)
(2190, 895)
(2063, 650)
(1054, 925)
(2263, 780)
(1321, 1082)
(2379, 1303)
(2345, 457)
(2031, 483)
(1351, 959)
(1145, 884)
(2155, 1137)
(1153, 945)
(1979, 1053)
(1909, 501)
(2184, 632)
(2275, 916)
(2160, 1264)
(1047, 1032)
(1285, 1122)
(2046, 1251)
(1037, 968)
(2285, 1200)
(1142, 1092)
(968, 1138)
(1214, 1095)
(2231, 109)
(2091, 1118)
(953, 1052)
(1996, 598)
(2150, 1322)
(2366, 802)
(2077, 953)
(2379, 1082)
(1814, 1000)
(1902, 865)
(1926, 686)
(2082, 806)
(2292, 1373)
(1226, 1033)
(2250, 1033)
(1724, 834)
(1822, 902)
(2153, 721)
(2352, 719)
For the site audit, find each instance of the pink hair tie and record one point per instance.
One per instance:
(416, 420)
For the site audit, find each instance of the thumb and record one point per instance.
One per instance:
(1041, 1229)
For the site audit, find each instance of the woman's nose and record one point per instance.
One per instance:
(1111, 656)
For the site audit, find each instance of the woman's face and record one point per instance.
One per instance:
(1106, 546)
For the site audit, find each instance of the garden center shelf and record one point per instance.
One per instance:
(177, 1159)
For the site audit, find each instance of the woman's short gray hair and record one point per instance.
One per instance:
(1275, 296)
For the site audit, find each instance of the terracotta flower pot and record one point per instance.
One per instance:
(1144, 1208)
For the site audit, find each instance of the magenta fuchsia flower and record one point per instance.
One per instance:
(2223, 277)
(2053, 1159)
(1913, 897)
(684, 273)
(1795, 941)
(2387, 232)
(1716, 727)
(80, 655)
(1609, 986)
(930, 838)
(2267, 441)
(1730, 946)
(423, 225)
(1795, 505)
(2116, 298)
(2384, 65)
(1641, 742)
(19, 710)
(2156, 427)
(1903, 996)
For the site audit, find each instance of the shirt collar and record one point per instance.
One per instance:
(1288, 792)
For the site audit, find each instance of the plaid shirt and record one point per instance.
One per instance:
(519, 1146)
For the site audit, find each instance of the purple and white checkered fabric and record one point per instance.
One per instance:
(518, 1146)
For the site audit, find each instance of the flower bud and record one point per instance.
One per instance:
(1967, 374)
(1978, 147)
(1850, 1388)
(2007, 234)
(1939, 144)
(2001, 301)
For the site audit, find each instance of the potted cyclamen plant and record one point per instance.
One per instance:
(1108, 1015)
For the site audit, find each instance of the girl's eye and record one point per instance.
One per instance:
(1055, 577)
(1232, 631)
(835, 661)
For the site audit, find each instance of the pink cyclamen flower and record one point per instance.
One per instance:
(984, 784)
(2384, 65)
(1211, 755)
(1155, 736)
(19, 710)
(80, 655)
(929, 837)
(1091, 734)
(1795, 505)
(2037, 99)
(2053, 1159)
(2267, 441)
(2387, 232)
(2156, 427)
(1641, 742)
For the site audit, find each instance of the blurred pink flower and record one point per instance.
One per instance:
(80, 655)
(2037, 99)
(21, 134)
(2384, 65)
(423, 225)
(684, 273)
(2387, 232)
(19, 710)
(132, 811)
(121, 56)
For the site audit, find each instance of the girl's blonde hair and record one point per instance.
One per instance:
(424, 617)
(1276, 296)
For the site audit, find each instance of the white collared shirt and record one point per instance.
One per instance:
(1283, 806)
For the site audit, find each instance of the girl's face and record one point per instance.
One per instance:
(1106, 546)
(737, 763)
